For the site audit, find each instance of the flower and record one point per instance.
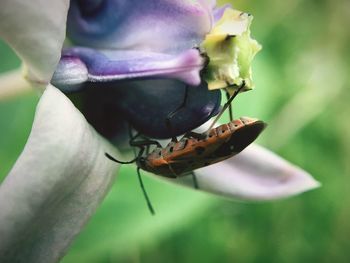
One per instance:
(62, 174)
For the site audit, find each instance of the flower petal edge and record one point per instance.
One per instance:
(256, 174)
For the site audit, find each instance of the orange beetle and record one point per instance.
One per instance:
(180, 158)
(190, 153)
(195, 150)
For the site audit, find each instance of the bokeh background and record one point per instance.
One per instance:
(302, 91)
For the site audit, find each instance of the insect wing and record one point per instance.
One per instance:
(221, 143)
(241, 138)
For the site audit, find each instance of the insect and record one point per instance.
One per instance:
(200, 150)
(195, 150)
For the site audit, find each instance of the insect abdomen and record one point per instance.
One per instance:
(220, 143)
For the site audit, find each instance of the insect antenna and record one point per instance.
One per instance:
(121, 162)
(195, 182)
(150, 207)
(227, 104)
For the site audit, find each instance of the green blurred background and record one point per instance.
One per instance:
(302, 92)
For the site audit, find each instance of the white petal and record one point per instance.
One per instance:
(56, 184)
(254, 174)
(36, 31)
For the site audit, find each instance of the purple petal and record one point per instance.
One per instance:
(219, 11)
(79, 65)
(150, 25)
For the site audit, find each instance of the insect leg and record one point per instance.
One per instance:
(140, 180)
(196, 135)
(140, 144)
(132, 137)
(145, 143)
(148, 149)
(174, 112)
(230, 106)
(150, 207)
(227, 104)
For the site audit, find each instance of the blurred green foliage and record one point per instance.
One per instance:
(302, 92)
